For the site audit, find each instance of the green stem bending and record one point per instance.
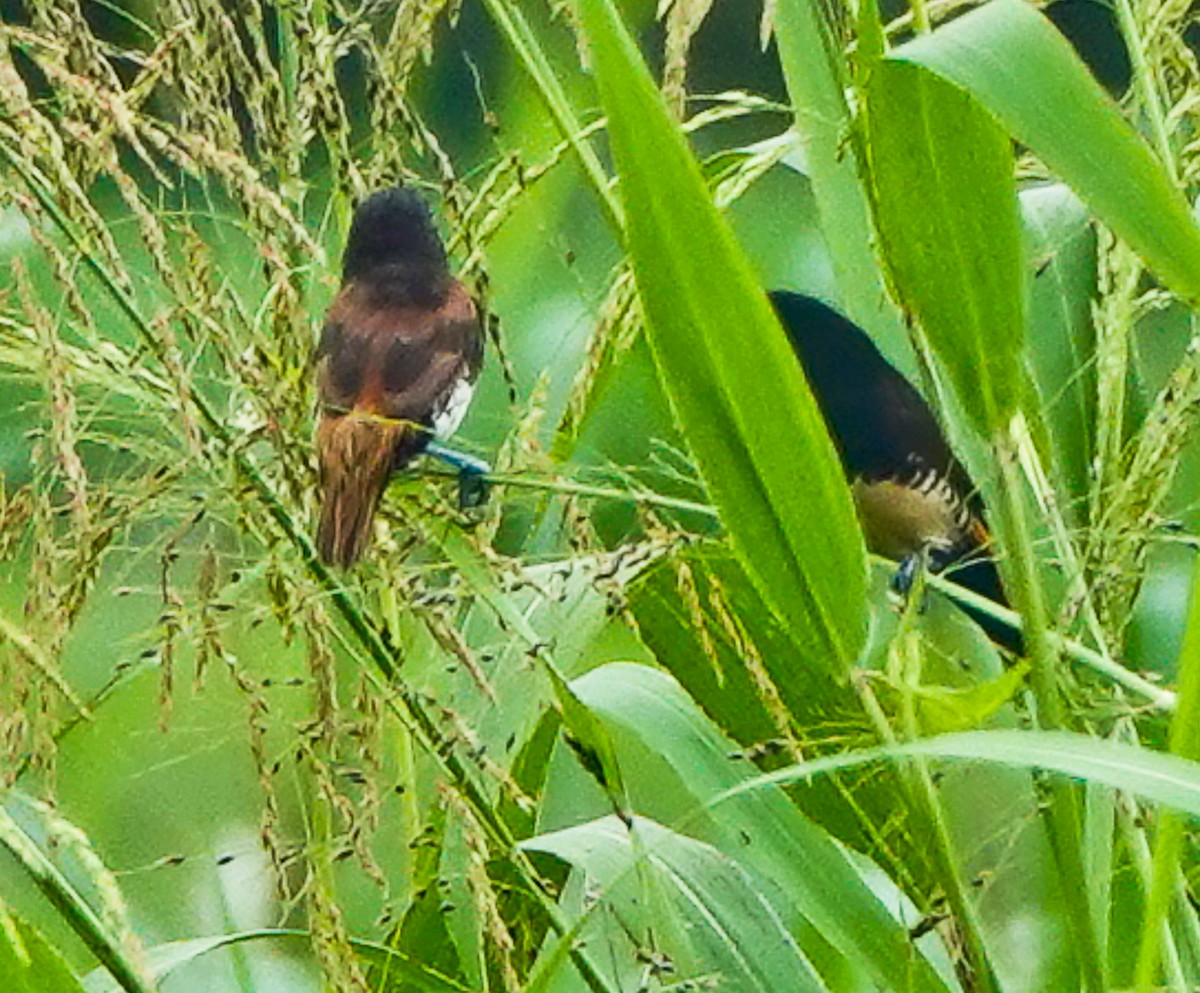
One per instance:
(927, 807)
(1076, 651)
(512, 24)
(1185, 742)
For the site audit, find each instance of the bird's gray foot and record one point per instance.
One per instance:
(472, 472)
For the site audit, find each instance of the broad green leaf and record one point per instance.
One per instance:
(1061, 341)
(556, 611)
(592, 744)
(715, 918)
(942, 189)
(728, 369)
(1018, 66)
(1154, 776)
(676, 762)
(28, 963)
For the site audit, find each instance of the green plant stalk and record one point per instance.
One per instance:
(34, 654)
(289, 65)
(557, 485)
(1112, 369)
(924, 802)
(1184, 742)
(512, 24)
(1063, 812)
(1160, 698)
(1129, 821)
(1156, 925)
(1184, 922)
(1099, 835)
(1077, 587)
(920, 16)
(1143, 80)
(377, 651)
(69, 902)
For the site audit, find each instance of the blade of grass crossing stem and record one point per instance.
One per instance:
(511, 23)
(74, 909)
(1150, 775)
(1184, 742)
(728, 369)
(1016, 64)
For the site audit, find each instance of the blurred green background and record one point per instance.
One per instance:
(170, 796)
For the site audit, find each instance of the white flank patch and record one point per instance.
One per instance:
(453, 409)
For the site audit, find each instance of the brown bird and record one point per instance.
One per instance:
(396, 367)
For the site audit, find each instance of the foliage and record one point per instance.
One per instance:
(627, 728)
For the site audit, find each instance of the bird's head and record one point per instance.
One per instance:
(392, 227)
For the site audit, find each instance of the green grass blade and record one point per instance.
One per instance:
(1019, 67)
(1184, 742)
(728, 369)
(949, 232)
(28, 962)
(108, 947)
(676, 762)
(714, 918)
(1156, 777)
(511, 23)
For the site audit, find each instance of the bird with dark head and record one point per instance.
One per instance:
(396, 365)
(912, 495)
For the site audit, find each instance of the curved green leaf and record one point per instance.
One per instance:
(28, 962)
(706, 914)
(1154, 776)
(1017, 65)
(676, 762)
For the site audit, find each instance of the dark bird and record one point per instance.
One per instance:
(913, 496)
(396, 366)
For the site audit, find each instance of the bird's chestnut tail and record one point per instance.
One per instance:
(357, 455)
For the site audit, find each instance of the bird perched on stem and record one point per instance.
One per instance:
(914, 498)
(396, 367)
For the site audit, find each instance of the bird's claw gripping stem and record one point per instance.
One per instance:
(472, 484)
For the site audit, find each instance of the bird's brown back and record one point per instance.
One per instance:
(384, 370)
